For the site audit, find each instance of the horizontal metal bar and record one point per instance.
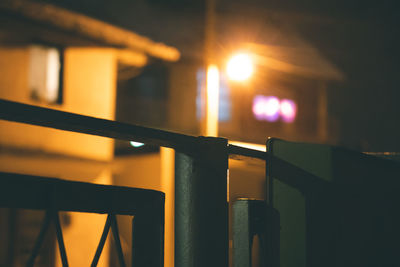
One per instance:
(32, 192)
(247, 152)
(34, 115)
(18, 112)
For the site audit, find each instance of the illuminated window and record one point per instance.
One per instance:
(45, 74)
(224, 108)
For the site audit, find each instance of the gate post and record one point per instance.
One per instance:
(201, 206)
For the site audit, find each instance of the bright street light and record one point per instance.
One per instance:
(240, 67)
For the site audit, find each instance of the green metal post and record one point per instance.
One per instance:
(201, 206)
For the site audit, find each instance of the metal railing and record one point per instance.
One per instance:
(201, 164)
(201, 209)
(201, 206)
(54, 195)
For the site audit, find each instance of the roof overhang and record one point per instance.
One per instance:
(55, 25)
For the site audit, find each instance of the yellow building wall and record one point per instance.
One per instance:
(150, 171)
(89, 89)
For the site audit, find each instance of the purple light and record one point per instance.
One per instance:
(266, 108)
(259, 105)
(270, 108)
(288, 110)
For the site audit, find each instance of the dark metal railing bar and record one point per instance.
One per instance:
(101, 242)
(193, 152)
(117, 240)
(39, 240)
(60, 239)
(46, 193)
(55, 195)
(18, 112)
(61, 120)
(24, 113)
(34, 115)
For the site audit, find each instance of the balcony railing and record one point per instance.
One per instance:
(201, 206)
(54, 195)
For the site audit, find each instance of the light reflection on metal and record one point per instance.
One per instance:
(240, 67)
(270, 108)
(136, 144)
(249, 145)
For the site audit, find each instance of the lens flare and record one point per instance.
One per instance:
(240, 67)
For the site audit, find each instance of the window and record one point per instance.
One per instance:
(45, 74)
(224, 108)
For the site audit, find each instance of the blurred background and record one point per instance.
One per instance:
(348, 49)
(311, 71)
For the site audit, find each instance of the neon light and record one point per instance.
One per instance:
(270, 108)
(266, 108)
(288, 110)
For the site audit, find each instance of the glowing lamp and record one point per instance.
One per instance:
(240, 67)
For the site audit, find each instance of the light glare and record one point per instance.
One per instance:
(240, 67)
(136, 144)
